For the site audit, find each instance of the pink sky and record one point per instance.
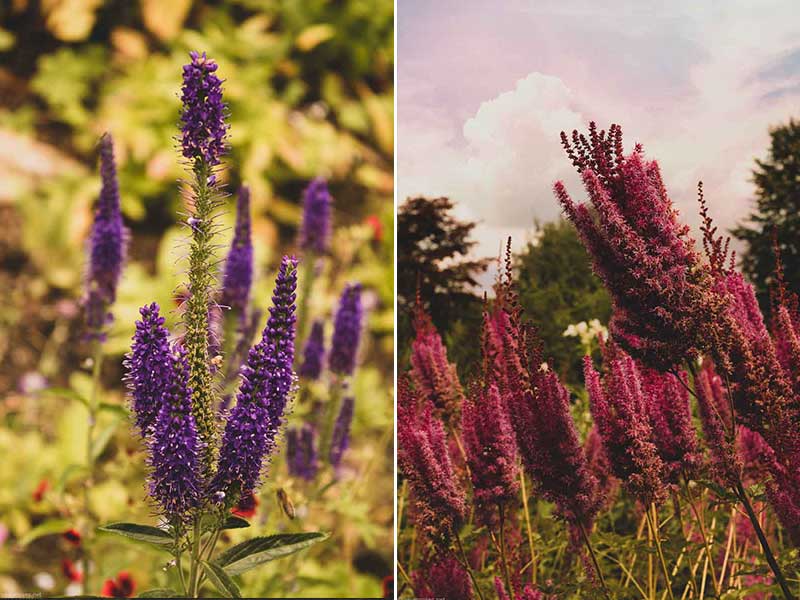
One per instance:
(485, 88)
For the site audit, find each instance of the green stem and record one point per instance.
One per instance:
(596, 563)
(652, 521)
(467, 567)
(503, 560)
(706, 541)
(528, 525)
(194, 584)
(306, 279)
(97, 364)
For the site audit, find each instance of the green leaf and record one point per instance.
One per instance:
(142, 533)
(50, 527)
(117, 409)
(71, 471)
(160, 593)
(221, 580)
(101, 441)
(256, 551)
(234, 522)
(66, 393)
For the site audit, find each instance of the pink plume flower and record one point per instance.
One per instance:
(444, 578)
(490, 448)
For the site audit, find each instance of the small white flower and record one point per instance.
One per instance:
(44, 581)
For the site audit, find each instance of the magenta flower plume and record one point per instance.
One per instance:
(599, 465)
(434, 377)
(346, 331)
(424, 460)
(783, 493)
(717, 423)
(203, 127)
(315, 230)
(663, 302)
(671, 421)
(786, 336)
(314, 352)
(444, 578)
(107, 246)
(149, 367)
(491, 450)
(175, 479)
(340, 439)
(619, 410)
(301, 452)
(238, 275)
(528, 592)
(267, 380)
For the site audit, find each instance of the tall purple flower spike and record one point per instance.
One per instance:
(301, 452)
(315, 230)
(175, 480)
(340, 439)
(346, 331)
(238, 276)
(267, 380)
(149, 367)
(314, 352)
(203, 127)
(107, 246)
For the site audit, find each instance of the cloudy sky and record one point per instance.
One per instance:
(484, 92)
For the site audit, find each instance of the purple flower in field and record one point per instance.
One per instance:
(619, 409)
(491, 450)
(107, 246)
(267, 380)
(203, 127)
(238, 275)
(664, 306)
(175, 479)
(599, 465)
(444, 578)
(314, 352)
(301, 452)
(346, 331)
(423, 457)
(670, 414)
(315, 230)
(149, 367)
(434, 377)
(341, 432)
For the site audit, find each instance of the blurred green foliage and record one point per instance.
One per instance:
(310, 91)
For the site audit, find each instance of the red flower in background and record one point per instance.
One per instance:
(40, 490)
(246, 507)
(70, 571)
(377, 227)
(122, 586)
(73, 536)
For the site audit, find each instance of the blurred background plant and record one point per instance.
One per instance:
(310, 90)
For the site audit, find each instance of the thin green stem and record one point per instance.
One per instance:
(595, 562)
(653, 522)
(467, 567)
(194, 584)
(528, 525)
(97, 365)
(503, 560)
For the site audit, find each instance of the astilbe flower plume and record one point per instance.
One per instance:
(340, 439)
(619, 410)
(443, 578)
(346, 331)
(314, 352)
(301, 452)
(175, 479)
(528, 592)
(667, 399)
(599, 465)
(238, 275)
(203, 126)
(434, 377)
(149, 367)
(664, 305)
(266, 382)
(491, 450)
(107, 246)
(423, 458)
(315, 230)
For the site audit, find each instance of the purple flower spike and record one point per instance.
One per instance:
(149, 367)
(346, 331)
(267, 379)
(314, 352)
(301, 450)
(341, 432)
(174, 447)
(238, 275)
(315, 231)
(203, 116)
(107, 245)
